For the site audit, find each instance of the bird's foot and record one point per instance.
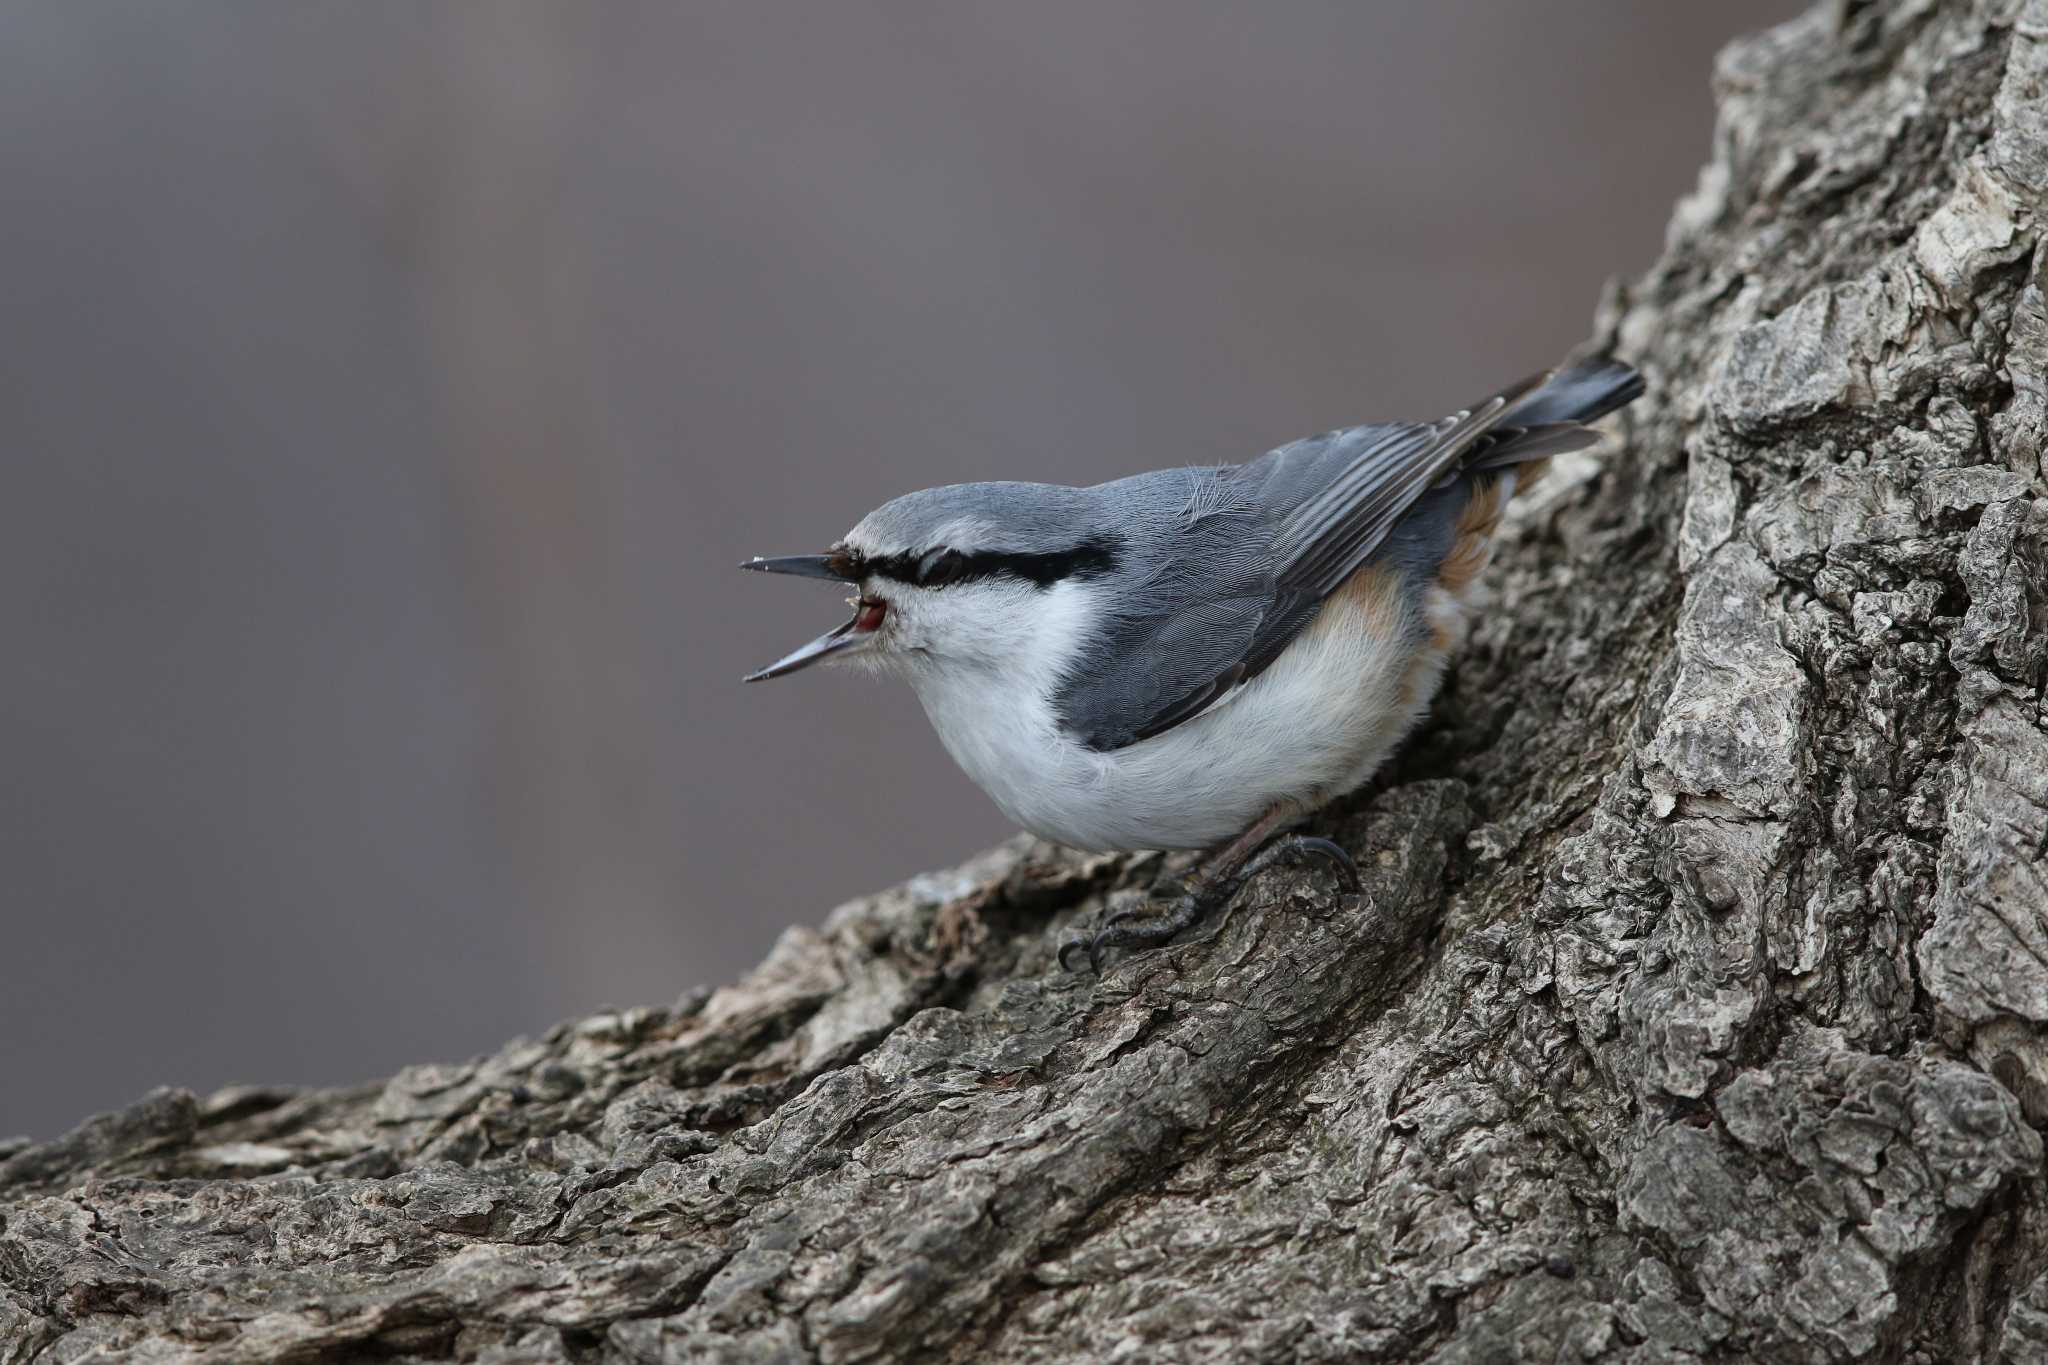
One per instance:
(1141, 928)
(1137, 929)
(1296, 848)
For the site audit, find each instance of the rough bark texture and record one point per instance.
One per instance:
(1695, 1007)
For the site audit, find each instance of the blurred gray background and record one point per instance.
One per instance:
(387, 391)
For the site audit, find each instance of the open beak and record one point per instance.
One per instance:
(844, 640)
(856, 634)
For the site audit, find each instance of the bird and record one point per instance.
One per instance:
(1197, 657)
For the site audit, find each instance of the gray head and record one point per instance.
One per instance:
(952, 575)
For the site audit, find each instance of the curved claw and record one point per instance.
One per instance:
(1130, 929)
(1104, 937)
(1346, 869)
(1081, 941)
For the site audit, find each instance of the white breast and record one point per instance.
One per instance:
(1312, 726)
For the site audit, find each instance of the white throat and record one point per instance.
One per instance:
(989, 688)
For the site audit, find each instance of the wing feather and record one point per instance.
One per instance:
(1300, 521)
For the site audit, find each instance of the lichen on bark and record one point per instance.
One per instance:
(1694, 1008)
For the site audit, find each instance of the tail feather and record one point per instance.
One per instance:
(1581, 393)
(1552, 418)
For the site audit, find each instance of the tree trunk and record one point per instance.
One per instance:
(1694, 1007)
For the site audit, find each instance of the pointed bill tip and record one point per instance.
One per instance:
(804, 566)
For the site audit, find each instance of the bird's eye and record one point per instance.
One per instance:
(940, 567)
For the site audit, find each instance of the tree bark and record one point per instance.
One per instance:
(1694, 1007)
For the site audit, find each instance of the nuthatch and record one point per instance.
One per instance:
(1196, 658)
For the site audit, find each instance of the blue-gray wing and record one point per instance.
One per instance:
(1200, 602)
(1191, 592)
(1227, 565)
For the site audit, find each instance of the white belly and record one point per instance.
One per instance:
(1314, 725)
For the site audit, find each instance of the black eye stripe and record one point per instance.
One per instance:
(943, 568)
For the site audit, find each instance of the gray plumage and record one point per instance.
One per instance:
(1216, 570)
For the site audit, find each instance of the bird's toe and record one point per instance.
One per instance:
(1297, 848)
(1138, 928)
